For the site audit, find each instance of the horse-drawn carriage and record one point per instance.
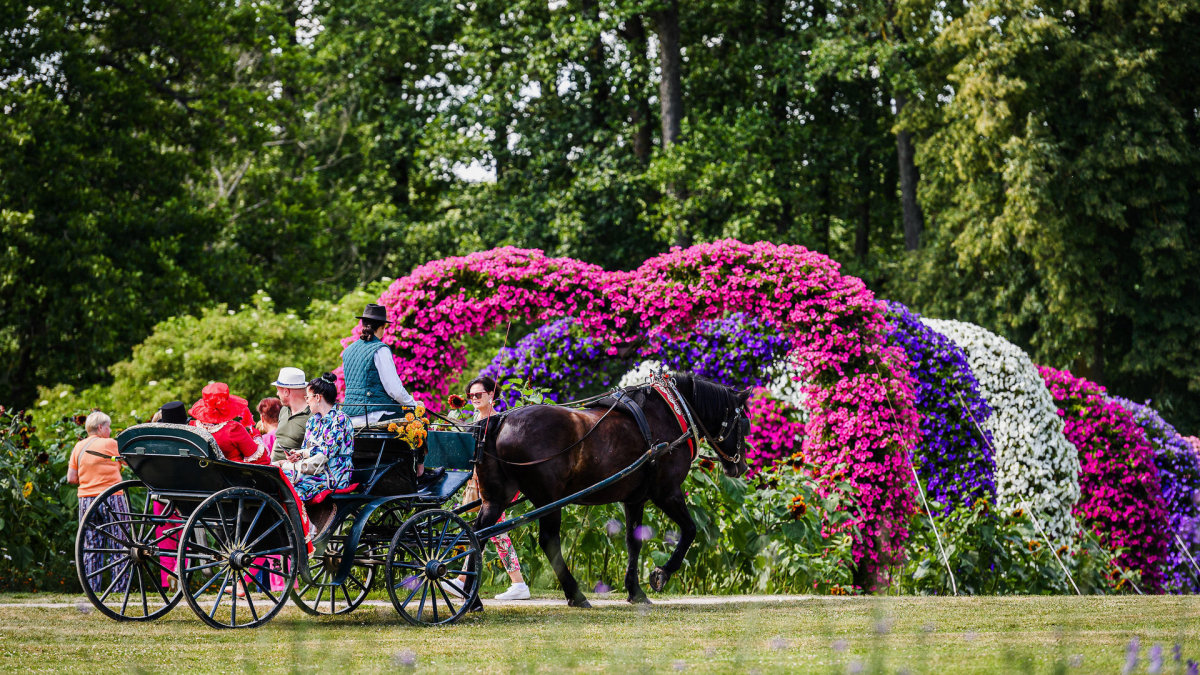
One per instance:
(231, 540)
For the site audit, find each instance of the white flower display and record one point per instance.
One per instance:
(787, 386)
(640, 374)
(1035, 463)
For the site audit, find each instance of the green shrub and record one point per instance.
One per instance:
(244, 348)
(38, 509)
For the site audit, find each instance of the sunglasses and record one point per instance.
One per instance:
(476, 394)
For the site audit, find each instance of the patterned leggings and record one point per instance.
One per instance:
(107, 512)
(504, 549)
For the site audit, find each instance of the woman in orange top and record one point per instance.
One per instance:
(95, 473)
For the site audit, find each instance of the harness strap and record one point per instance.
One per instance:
(682, 415)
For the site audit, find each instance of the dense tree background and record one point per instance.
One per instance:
(1032, 167)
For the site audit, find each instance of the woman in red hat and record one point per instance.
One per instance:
(226, 417)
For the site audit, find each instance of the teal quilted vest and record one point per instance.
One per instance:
(364, 390)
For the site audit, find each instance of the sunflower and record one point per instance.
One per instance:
(28, 489)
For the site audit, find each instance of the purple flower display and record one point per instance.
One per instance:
(954, 458)
(558, 356)
(737, 350)
(1179, 471)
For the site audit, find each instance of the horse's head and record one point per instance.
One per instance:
(724, 421)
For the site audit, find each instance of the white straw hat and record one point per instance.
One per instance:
(291, 378)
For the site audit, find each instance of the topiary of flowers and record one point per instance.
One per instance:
(858, 390)
(1179, 473)
(1121, 495)
(859, 393)
(1035, 464)
(737, 350)
(954, 458)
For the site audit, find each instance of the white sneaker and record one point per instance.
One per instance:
(515, 592)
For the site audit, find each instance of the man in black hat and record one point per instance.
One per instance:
(373, 387)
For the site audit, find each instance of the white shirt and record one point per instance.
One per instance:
(385, 365)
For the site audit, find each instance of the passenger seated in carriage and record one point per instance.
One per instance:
(227, 417)
(326, 460)
(374, 392)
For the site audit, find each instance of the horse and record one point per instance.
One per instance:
(548, 452)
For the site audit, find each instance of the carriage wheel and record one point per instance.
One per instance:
(125, 543)
(227, 541)
(428, 554)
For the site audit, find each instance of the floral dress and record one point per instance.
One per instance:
(331, 435)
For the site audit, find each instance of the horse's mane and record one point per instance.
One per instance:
(710, 400)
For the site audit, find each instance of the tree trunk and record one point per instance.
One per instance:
(597, 84)
(914, 220)
(640, 115)
(670, 94)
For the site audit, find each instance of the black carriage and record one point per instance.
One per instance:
(229, 538)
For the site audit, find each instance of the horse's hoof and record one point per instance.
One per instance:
(579, 602)
(659, 579)
(639, 600)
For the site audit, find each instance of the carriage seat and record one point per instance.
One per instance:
(168, 440)
(320, 496)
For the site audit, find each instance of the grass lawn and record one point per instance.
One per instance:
(820, 634)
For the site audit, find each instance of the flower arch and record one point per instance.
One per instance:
(1121, 493)
(1035, 464)
(859, 394)
(954, 458)
(857, 388)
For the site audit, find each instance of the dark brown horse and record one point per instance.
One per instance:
(538, 451)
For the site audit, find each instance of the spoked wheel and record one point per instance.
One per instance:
(222, 558)
(322, 597)
(123, 566)
(428, 554)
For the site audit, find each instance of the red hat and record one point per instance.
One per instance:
(217, 405)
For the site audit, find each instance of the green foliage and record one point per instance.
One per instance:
(38, 514)
(997, 554)
(245, 348)
(1062, 171)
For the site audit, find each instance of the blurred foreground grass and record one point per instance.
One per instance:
(818, 635)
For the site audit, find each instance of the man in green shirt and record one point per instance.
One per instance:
(290, 387)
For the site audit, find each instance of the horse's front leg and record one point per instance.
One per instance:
(549, 527)
(633, 521)
(675, 508)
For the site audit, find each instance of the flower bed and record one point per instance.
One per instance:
(954, 458)
(1035, 464)
(1121, 495)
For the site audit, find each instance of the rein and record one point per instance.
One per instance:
(560, 452)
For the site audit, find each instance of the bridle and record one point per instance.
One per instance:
(733, 419)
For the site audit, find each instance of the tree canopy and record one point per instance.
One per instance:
(1030, 167)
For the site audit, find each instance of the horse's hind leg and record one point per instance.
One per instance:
(633, 521)
(549, 527)
(675, 508)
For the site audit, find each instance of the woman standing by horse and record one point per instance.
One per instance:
(551, 452)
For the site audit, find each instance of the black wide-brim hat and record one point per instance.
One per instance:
(374, 312)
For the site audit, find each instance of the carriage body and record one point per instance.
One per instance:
(224, 534)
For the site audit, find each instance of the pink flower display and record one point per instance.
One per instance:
(1120, 490)
(860, 395)
(861, 424)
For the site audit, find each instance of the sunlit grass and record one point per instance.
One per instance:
(821, 635)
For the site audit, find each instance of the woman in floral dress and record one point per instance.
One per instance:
(325, 461)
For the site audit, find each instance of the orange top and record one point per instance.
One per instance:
(96, 474)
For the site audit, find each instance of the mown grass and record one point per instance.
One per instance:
(817, 635)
